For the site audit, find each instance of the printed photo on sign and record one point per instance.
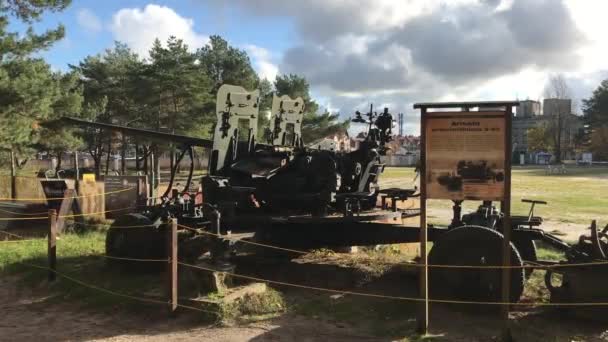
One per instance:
(465, 156)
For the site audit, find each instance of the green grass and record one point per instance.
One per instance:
(79, 256)
(577, 197)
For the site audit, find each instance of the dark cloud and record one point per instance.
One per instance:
(315, 20)
(458, 45)
(347, 73)
(467, 44)
(542, 26)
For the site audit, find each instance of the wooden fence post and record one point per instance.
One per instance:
(13, 175)
(52, 244)
(172, 266)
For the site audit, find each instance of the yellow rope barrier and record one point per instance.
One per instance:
(374, 295)
(101, 289)
(62, 198)
(22, 240)
(62, 216)
(130, 259)
(414, 264)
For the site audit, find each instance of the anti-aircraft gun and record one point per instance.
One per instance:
(285, 194)
(279, 191)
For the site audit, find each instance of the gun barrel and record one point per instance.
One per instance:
(144, 133)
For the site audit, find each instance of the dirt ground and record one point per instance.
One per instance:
(26, 316)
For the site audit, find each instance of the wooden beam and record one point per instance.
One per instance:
(69, 202)
(172, 266)
(13, 175)
(52, 244)
(472, 104)
(506, 243)
(423, 311)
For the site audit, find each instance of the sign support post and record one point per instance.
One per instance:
(506, 221)
(423, 312)
(466, 155)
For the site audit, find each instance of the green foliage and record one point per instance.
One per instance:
(294, 86)
(595, 110)
(110, 82)
(176, 85)
(29, 92)
(174, 89)
(314, 126)
(29, 10)
(318, 126)
(14, 45)
(539, 139)
(226, 64)
(599, 142)
(113, 76)
(59, 138)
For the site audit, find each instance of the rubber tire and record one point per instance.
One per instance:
(528, 252)
(472, 245)
(138, 243)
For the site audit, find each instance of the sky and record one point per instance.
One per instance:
(390, 53)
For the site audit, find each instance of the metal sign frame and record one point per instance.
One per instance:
(464, 107)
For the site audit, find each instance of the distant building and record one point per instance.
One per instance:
(529, 115)
(527, 108)
(403, 151)
(555, 107)
(338, 142)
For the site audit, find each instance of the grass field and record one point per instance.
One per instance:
(577, 197)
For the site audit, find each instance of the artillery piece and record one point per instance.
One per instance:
(282, 193)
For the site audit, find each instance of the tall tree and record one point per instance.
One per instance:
(539, 139)
(557, 88)
(294, 86)
(14, 45)
(110, 87)
(266, 90)
(314, 126)
(226, 64)
(179, 88)
(595, 110)
(27, 88)
(59, 138)
(222, 64)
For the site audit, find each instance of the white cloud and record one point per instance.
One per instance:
(400, 52)
(88, 20)
(139, 27)
(262, 62)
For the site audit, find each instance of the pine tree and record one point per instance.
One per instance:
(314, 126)
(28, 89)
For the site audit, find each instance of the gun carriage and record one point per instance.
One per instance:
(282, 193)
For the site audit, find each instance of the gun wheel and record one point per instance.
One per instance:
(472, 246)
(134, 236)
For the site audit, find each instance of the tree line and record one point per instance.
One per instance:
(173, 89)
